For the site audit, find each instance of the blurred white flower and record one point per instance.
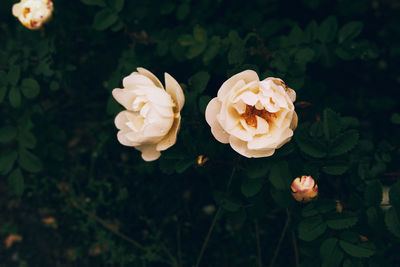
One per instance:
(33, 13)
(255, 117)
(152, 117)
(304, 189)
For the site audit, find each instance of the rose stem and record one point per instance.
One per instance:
(278, 247)
(210, 230)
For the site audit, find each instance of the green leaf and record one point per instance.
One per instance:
(195, 50)
(304, 55)
(309, 210)
(182, 11)
(199, 81)
(350, 31)
(212, 49)
(3, 92)
(395, 118)
(327, 30)
(335, 169)
(373, 193)
(26, 139)
(257, 168)
(104, 19)
(226, 201)
(14, 96)
(309, 146)
(295, 37)
(29, 161)
(14, 74)
(251, 187)
(354, 262)
(394, 195)
(7, 134)
(101, 3)
(186, 40)
(330, 123)
(311, 227)
(342, 221)
(54, 86)
(282, 198)
(344, 142)
(392, 221)
(311, 32)
(331, 253)
(16, 182)
(30, 88)
(184, 164)
(363, 250)
(200, 34)
(203, 102)
(117, 5)
(117, 26)
(280, 176)
(7, 161)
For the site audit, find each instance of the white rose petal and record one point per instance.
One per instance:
(33, 13)
(255, 117)
(152, 118)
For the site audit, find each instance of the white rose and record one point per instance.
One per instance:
(255, 117)
(33, 13)
(152, 117)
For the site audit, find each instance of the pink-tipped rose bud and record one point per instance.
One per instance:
(304, 189)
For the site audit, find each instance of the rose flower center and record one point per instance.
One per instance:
(26, 11)
(251, 112)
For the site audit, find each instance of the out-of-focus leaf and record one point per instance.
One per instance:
(7, 160)
(7, 133)
(363, 250)
(104, 19)
(16, 182)
(350, 31)
(251, 187)
(29, 161)
(331, 253)
(311, 227)
(327, 30)
(344, 143)
(30, 88)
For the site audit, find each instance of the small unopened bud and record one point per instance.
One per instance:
(304, 188)
(33, 13)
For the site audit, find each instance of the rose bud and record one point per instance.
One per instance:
(304, 189)
(152, 117)
(255, 117)
(33, 13)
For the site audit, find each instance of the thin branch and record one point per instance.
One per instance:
(107, 225)
(278, 247)
(210, 230)
(258, 243)
(296, 251)
(178, 240)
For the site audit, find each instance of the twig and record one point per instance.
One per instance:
(258, 243)
(178, 240)
(203, 248)
(106, 225)
(278, 247)
(210, 230)
(296, 251)
(168, 253)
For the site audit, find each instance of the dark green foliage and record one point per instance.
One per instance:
(60, 158)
